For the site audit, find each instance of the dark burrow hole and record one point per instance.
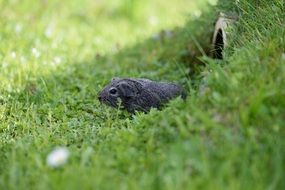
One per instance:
(219, 45)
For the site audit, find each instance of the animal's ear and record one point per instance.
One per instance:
(115, 78)
(126, 89)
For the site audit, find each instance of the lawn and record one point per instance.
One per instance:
(55, 56)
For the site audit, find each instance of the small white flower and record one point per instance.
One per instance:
(18, 28)
(58, 157)
(57, 60)
(197, 13)
(13, 54)
(36, 52)
(153, 20)
(4, 64)
(48, 32)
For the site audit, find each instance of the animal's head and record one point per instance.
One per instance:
(123, 89)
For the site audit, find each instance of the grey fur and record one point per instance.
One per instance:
(139, 94)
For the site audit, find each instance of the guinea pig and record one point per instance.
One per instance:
(139, 94)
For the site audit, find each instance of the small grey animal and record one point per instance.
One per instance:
(139, 94)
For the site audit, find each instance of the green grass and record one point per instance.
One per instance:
(55, 56)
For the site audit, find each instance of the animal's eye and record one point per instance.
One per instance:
(113, 91)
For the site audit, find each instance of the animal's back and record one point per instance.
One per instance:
(155, 94)
(164, 90)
